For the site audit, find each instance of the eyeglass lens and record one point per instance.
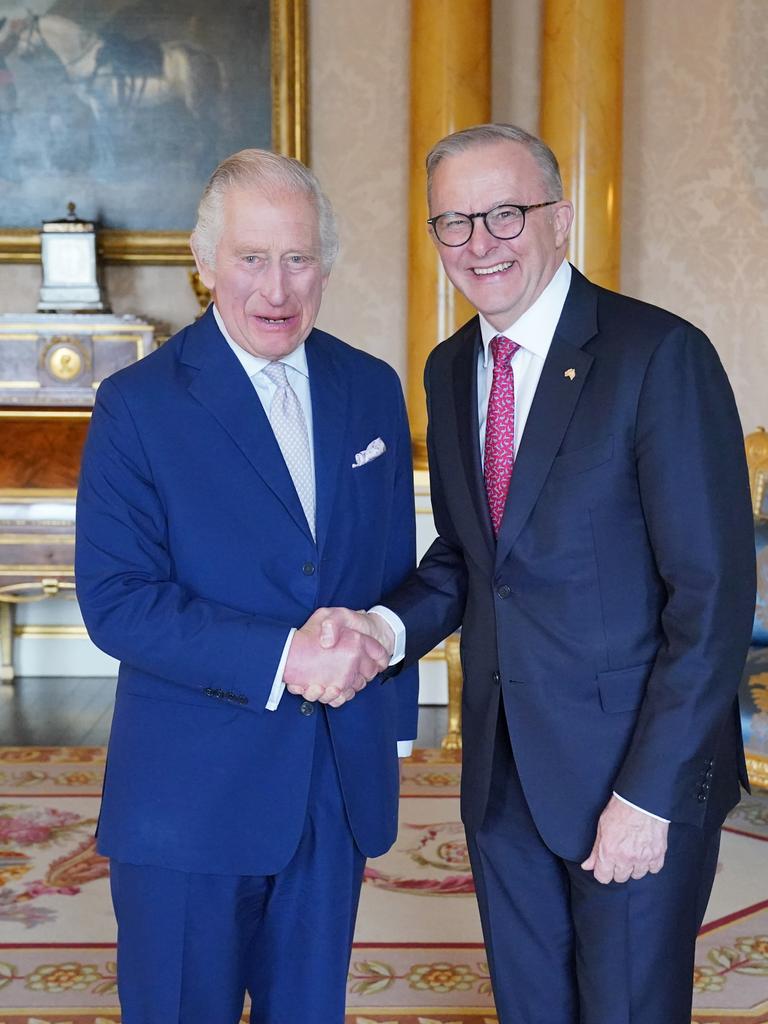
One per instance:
(502, 222)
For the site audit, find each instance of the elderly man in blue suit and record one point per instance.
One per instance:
(596, 545)
(231, 485)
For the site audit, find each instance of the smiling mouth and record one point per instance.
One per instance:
(496, 269)
(277, 320)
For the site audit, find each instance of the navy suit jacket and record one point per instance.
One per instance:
(193, 561)
(615, 610)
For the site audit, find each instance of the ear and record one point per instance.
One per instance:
(326, 278)
(562, 221)
(207, 273)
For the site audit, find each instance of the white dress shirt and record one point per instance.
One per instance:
(533, 332)
(297, 372)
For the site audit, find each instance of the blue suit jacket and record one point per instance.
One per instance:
(193, 561)
(615, 610)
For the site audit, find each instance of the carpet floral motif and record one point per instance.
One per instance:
(441, 847)
(26, 830)
(53, 892)
(371, 977)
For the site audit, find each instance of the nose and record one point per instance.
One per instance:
(481, 241)
(273, 285)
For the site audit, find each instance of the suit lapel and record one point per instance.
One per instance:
(557, 395)
(222, 386)
(465, 404)
(330, 399)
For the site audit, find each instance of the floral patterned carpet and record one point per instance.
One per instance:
(416, 960)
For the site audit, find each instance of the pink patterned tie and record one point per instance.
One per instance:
(500, 429)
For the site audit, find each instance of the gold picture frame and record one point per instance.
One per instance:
(288, 49)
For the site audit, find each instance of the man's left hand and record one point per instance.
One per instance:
(629, 844)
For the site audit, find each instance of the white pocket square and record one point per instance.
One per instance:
(373, 451)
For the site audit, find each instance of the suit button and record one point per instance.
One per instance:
(496, 678)
(209, 692)
(308, 569)
(701, 798)
(307, 707)
(503, 591)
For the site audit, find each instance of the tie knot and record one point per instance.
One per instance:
(503, 349)
(276, 373)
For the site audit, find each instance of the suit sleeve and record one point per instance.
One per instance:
(431, 601)
(133, 608)
(694, 493)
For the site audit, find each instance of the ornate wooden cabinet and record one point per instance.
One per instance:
(50, 367)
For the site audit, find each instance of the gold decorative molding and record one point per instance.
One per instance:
(33, 495)
(452, 739)
(202, 294)
(50, 632)
(756, 447)
(757, 770)
(290, 107)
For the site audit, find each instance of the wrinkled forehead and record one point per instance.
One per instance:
(276, 211)
(484, 175)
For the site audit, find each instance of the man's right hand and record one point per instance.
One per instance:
(333, 622)
(332, 674)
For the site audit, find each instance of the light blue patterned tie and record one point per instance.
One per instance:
(290, 429)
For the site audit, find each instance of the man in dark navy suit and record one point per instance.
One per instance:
(596, 547)
(230, 486)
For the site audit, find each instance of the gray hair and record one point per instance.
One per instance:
(270, 173)
(485, 134)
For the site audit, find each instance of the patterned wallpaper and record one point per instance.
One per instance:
(359, 53)
(695, 217)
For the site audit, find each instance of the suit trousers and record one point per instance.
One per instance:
(191, 945)
(565, 949)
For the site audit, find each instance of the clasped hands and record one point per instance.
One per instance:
(336, 653)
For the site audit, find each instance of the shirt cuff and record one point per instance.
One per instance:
(278, 685)
(649, 813)
(395, 623)
(404, 748)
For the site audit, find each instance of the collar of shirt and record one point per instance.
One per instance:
(296, 360)
(535, 329)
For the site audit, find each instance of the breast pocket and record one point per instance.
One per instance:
(582, 459)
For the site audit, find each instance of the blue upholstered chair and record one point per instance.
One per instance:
(753, 693)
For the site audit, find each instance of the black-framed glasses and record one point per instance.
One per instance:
(505, 221)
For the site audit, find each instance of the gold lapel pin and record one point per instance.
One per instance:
(570, 374)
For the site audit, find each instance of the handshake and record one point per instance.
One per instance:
(336, 653)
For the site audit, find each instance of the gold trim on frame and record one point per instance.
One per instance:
(289, 136)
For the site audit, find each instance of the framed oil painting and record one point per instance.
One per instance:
(125, 107)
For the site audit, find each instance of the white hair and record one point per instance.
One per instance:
(270, 173)
(485, 134)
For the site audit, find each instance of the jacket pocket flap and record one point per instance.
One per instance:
(584, 458)
(624, 689)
